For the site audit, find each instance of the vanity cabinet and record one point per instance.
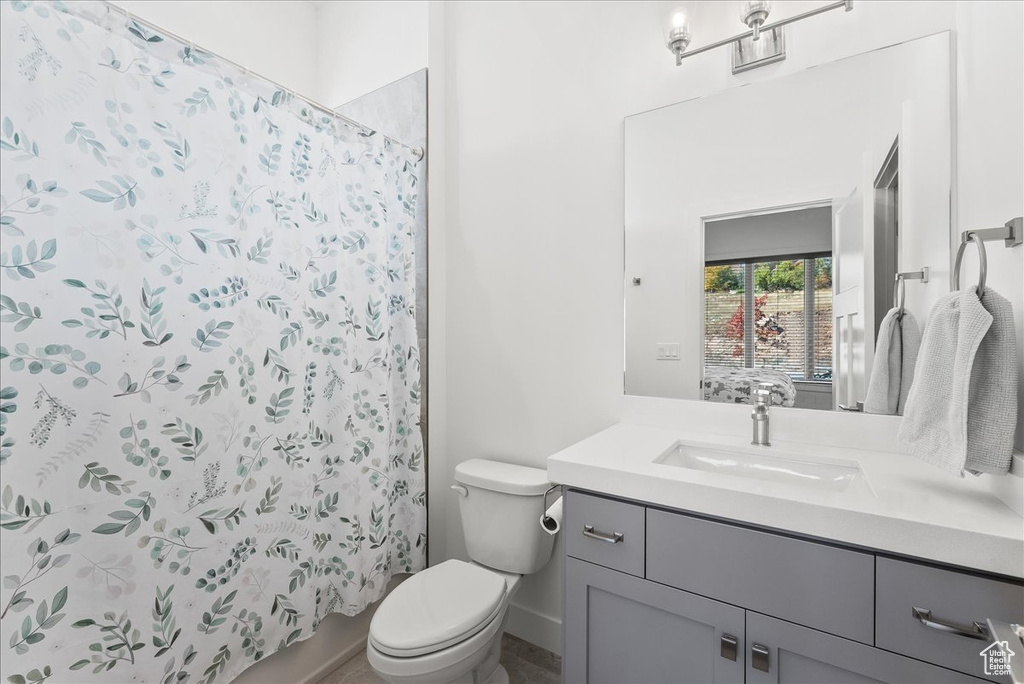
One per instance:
(661, 596)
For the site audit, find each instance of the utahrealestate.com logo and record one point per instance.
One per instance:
(997, 657)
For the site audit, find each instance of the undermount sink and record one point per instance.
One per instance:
(761, 463)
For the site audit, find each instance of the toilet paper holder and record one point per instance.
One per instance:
(550, 489)
(551, 518)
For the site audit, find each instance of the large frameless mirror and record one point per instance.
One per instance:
(766, 226)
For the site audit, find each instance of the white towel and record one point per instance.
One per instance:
(961, 409)
(893, 371)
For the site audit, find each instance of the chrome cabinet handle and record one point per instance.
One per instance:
(974, 631)
(759, 657)
(728, 647)
(613, 538)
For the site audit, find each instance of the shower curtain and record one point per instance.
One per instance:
(210, 393)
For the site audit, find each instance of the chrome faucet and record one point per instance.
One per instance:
(759, 414)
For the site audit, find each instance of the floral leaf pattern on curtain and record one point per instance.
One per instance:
(209, 413)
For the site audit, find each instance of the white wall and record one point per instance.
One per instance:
(273, 39)
(362, 45)
(533, 195)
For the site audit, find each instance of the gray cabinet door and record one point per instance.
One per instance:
(799, 655)
(620, 628)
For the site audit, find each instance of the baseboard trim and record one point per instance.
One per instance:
(338, 639)
(334, 663)
(538, 629)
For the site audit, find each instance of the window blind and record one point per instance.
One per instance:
(770, 314)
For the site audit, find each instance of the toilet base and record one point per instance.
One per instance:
(500, 676)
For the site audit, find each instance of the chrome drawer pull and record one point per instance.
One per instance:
(729, 646)
(613, 538)
(759, 657)
(974, 631)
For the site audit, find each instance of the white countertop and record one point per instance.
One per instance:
(904, 507)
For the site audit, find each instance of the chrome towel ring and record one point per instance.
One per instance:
(971, 236)
(1012, 235)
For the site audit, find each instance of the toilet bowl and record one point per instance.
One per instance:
(444, 625)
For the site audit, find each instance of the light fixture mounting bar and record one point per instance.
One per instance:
(845, 4)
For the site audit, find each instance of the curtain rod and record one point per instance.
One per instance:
(416, 151)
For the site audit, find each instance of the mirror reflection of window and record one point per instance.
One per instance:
(784, 333)
(768, 307)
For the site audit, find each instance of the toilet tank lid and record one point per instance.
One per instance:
(502, 477)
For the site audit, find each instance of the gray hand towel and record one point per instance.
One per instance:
(934, 426)
(992, 400)
(961, 408)
(893, 371)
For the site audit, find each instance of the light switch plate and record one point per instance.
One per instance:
(667, 351)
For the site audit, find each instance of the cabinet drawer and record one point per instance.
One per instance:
(811, 584)
(780, 652)
(606, 532)
(952, 598)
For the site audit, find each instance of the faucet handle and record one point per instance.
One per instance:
(763, 393)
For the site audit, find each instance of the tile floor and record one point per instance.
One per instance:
(526, 664)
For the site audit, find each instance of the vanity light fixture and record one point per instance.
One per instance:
(678, 37)
(748, 49)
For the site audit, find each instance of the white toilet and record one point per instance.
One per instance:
(444, 624)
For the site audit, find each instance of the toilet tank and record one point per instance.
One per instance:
(501, 513)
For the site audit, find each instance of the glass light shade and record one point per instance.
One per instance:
(676, 20)
(753, 11)
(677, 28)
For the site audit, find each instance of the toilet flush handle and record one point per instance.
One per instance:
(461, 490)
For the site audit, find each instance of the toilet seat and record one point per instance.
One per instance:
(437, 608)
